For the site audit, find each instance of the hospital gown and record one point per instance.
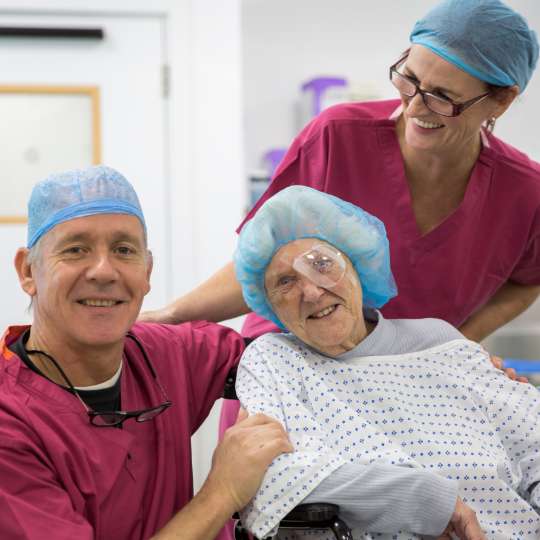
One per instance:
(444, 409)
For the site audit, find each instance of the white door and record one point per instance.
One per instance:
(127, 65)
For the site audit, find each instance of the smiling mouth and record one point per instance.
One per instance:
(324, 312)
(426, 125)
(99, 303)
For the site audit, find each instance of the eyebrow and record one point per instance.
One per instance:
(119, 236)
(274, 277)
(442, 89)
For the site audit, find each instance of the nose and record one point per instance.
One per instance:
(310, 291)
(416, 105)
(102, 269)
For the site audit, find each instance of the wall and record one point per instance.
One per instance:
(287, 43)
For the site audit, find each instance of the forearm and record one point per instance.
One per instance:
(507, 303)
(217, 299)
(238, 466)
(201, 519)
(387, 498)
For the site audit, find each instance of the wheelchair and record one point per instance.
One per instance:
(313, 516)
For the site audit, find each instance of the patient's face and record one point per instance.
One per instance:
(324, 315)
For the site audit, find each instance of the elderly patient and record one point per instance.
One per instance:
(403, 423)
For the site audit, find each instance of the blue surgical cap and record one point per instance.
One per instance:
(78, 193)
(302, 212)
(485, 38)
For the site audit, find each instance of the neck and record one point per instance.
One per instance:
(363, 330)
(451, 166)
(83, 365)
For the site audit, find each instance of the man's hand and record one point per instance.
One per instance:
(238, 467)
(509, 372)
(463, 524)
(244, 455)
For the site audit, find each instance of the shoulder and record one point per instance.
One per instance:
(276, 350)
(365, 110)
(511, 155)
(200, 337)
(154, 332)
(513, 165)
(19, 410)
(419, 334)
(359, 114)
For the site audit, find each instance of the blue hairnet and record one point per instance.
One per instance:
(485, 38)
(78, 193)
(302, 212)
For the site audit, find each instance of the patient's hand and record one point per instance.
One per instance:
(463, 524)
(510, 372)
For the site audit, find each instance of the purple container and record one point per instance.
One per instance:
(318, 86)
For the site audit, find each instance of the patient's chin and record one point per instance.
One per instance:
(328, 333)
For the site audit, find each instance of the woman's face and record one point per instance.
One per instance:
(426, 130)
(326, 316)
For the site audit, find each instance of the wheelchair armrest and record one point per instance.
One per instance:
(309, 512)
(313, 512)
(308, 516)
(229, 391)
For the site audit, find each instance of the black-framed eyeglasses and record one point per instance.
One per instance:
(437, 104)
(116, 418)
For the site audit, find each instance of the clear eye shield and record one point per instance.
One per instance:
(322, 265)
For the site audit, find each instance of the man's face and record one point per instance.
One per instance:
(89, 280)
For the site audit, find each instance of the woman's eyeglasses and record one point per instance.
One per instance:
(116, 418)
(437, 104)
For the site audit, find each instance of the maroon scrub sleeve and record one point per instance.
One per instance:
(33, 504)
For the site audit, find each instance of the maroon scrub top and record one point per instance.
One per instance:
(63, 478)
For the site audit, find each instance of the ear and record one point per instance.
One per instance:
(24, 271)
(149, 268)
(504, 100)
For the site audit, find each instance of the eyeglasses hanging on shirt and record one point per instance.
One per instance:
(116, 418)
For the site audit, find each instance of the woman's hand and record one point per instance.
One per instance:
(509, 372)
(463, 524)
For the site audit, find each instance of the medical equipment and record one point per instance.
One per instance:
(322, 265)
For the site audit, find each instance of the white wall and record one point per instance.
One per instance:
(287, 43)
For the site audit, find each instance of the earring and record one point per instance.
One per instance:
(491, 124)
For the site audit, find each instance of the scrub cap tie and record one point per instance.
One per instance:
(485, 38)
(302, 212)
(79, 193)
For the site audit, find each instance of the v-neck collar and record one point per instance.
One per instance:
(400, 193)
